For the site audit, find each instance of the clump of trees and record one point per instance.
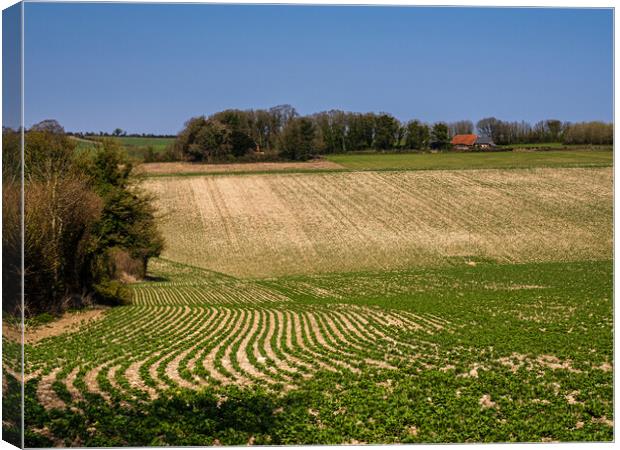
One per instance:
(551, 130)
(80, 211)
(417, 135)
(461, 127)
(597, 133)
(234, 135)
(440, 136)
(280, 133)
(297, 139)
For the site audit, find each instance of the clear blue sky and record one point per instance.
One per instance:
(148, 68)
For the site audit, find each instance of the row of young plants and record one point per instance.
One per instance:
(226, 349)
(481, 353)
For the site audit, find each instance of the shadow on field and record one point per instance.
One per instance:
(180, 418)
(156, 278)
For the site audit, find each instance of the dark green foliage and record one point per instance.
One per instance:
(440, 139)
(297, 139)
(112, 292)
(361, 131)
(233, 134)
(211, 143)
(127, 218)
(417, 135)
(241, 144)
(215, 139)
(40, 319)
(11, 407)
(111, 169)
(386, 132)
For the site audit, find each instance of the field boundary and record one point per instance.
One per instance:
(350, 170)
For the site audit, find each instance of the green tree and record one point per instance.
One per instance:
(554, 128)
(440, 136)
(361, 131)
(417, 135)
(241, 144)
(239, 127)
(386, 132)
(128, 217)
(297, 140)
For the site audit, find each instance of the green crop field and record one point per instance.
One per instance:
(136, 147)
(159, 144)
(349, 307)
(490, 160)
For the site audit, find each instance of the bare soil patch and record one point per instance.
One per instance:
(168, 168)
(67, 323)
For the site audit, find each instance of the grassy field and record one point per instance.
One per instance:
(457, 161)
(159, 144)
(556, 145)
(136, 146)
(348, 307)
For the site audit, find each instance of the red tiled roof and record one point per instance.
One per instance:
(464, 139)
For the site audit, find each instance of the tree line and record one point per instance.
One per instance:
(87, 224)
(280, 132)
(551, 130)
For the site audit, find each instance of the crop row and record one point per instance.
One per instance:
(204, 294)
(194, 346)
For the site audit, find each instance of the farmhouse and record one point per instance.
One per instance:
(471, 141)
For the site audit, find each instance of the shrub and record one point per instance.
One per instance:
(112, 292)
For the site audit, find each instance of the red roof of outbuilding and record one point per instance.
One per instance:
(464, 139)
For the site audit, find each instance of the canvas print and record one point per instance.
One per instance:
(230, 224)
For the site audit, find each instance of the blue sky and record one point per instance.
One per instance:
(148, 68)
(11, 68)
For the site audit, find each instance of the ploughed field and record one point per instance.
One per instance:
(361, 307)
(261, 226)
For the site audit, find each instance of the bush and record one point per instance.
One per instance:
(112, 292)
(78, 212)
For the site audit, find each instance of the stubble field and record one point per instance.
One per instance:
(362, 307)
